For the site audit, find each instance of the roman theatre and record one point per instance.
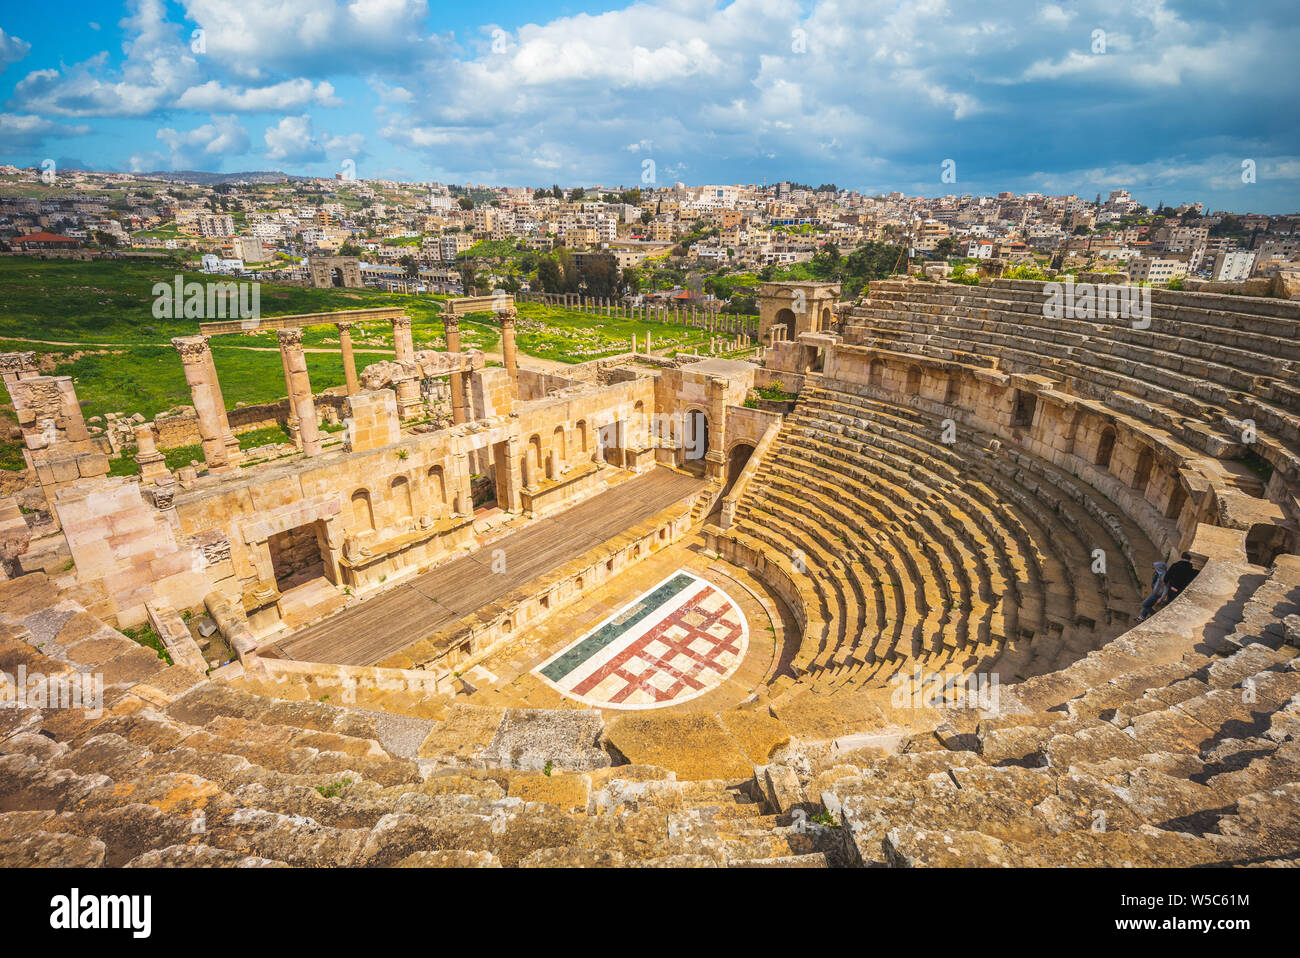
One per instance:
(634, 612)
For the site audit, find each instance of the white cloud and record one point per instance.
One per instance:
(315, 37)
(12, 49)
(289, 95)
(156, 68)
(206, 145)
(295, 140)
(27, 131)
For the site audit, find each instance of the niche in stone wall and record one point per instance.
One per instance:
(1022, 416)
(296, 556)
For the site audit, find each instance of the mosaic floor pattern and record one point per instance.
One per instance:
(677, 640)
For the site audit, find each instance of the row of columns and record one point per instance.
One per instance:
(220, 447)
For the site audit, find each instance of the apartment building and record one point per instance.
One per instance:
(1157, 270)
(1232, 266)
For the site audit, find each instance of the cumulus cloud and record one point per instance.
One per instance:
(29, 132)
(295, 140)
(207, 145)
(874, 93)
(313, 37)
(289, 95)
(156, 66)
(12, 49)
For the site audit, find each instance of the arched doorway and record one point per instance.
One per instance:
(1105, 448)
(1265, 542)
(695, 441)
(737, 459)
(785, 321)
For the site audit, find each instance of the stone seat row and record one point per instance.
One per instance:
(1212, 393)
(1177, 744)
(834, 473)
(1271, 403)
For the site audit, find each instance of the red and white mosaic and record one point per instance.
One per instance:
(674, 642)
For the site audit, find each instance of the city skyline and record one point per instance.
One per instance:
(1054, 99)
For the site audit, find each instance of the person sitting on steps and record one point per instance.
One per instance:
(1157, 591)
(1179, 576)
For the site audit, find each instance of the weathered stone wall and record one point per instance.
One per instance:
(126, 551)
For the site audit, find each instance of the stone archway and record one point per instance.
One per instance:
(785, 321)
(695, 440)
(737, 459)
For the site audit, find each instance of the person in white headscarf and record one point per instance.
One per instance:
(1158, 591)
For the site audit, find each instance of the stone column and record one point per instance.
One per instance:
(716, 458)
(194, 358)
(408, 391)
(507, 317)
(464, 492)
(295, 430)
(349, 363)
(300, 397)
(451, 324)
(529, 470)
(233, 453)
(513, 501)
(152, 463)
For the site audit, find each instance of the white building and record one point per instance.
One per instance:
(1233, 266)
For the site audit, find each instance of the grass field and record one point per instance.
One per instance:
(570, 336)
(104, 310)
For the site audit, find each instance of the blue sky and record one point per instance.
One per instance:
(1167, 98)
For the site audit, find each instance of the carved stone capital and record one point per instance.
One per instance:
(193, 349)
(344, 327)
(401, 322)
(290, 338)
(17, 362)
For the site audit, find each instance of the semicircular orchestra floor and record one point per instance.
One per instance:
(679, 629)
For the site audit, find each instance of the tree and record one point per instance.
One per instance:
(646, 217)
(469, 279)
(945, 247)
(465, 203)
(631, 197)
(349, 249)
(825, 263)
(541, 194)
(631, 279)
(600, 275)
(557, 192)
(549, 275)
(577, 193)
(1227, 226)
(411, 265)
